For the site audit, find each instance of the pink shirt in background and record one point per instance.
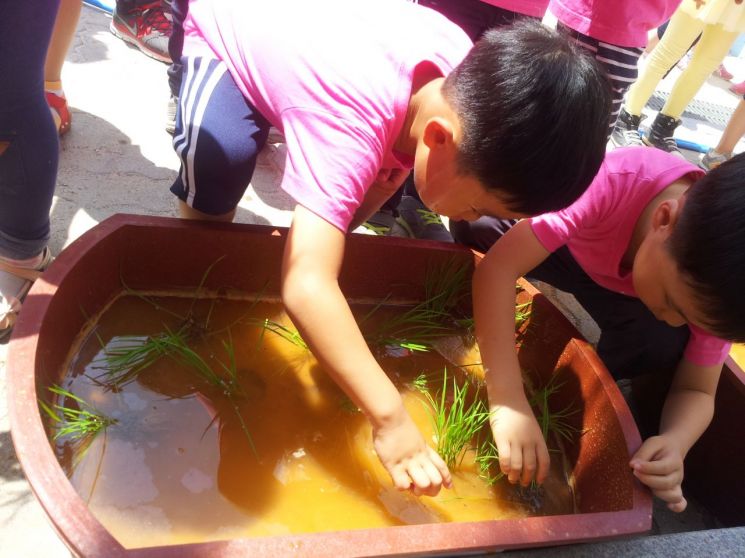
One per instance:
(535, 8)
(597, 228)
(334, 76)
(618, 22)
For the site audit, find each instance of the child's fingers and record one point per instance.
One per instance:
(505, 457)
(678, 506)
(660, 482)
(648, 450)
(516, 464)
(530, 464)
(673, 497)
(419, 477)
(662, 466)
(437, 461)
(435, 478)
(401, 479)
(544, 463)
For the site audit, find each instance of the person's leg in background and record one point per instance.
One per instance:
(732, 133)
(680, 33)
(218, 147)
(145, 25)
(178, 9)
(619, 63)
(64, 31)
(473, 16)
(29, 151)
(709, 52)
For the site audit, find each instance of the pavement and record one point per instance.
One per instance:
(118, 158)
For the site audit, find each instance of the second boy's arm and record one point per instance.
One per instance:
(688, 410)
(522, 449)
(386, 184)
(312, 260)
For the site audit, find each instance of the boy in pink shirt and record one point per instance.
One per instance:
(362, 93)
(653, 250)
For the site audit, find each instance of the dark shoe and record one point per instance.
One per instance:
(661, 134)
(626, 131)
(421, 222)
(145, 27)
(385, 223)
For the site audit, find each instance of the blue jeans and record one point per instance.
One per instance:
(29, 147)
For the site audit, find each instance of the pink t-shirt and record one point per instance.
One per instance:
(618, 22)
(334, 76)
(598, 227)
(535, 8)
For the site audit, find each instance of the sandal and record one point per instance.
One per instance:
(60, 112)
(10, 306)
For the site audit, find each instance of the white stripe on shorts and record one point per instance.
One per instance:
(192, 124)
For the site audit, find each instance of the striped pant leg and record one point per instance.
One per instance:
(620, 65)
(218, 137)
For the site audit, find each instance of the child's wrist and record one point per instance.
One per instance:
(388, 412)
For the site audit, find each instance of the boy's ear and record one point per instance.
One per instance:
(438, 132)
(666, 215)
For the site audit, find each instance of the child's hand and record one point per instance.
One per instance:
(659, 465)
(408, 459)
(522, 450)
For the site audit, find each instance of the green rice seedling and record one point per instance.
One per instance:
(286, 333)
(445, 287)
(420, 383)
(456, 421)
(129, 355)
(555, 422)
(487, 458)
(348, 406)
(521, 314)
(76, 423)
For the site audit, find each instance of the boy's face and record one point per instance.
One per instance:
(457, 196)
(660, 284)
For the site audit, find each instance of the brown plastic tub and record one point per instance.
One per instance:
(152, 252)
(715, 466)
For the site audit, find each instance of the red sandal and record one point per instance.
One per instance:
(58, 106)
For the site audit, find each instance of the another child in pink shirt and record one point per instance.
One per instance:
(363, 92)
(655, 252)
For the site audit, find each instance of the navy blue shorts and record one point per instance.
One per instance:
(218, 137)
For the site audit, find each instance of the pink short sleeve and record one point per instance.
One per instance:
(704, 349)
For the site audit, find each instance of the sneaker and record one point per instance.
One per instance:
(385, 223)
(712, 159)
(723, 73)
(738, 88)
(421, 222)
(145, 27)
(171, 114)
(661, 134)
(626, 131)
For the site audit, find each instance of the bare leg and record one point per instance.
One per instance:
(64, 31)
(734, 130)
(186, 212)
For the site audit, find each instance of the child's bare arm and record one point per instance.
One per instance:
(311, 294)
(522, 450)
(688, 410)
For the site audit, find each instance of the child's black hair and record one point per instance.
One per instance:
(534, 109)
(708, 245)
